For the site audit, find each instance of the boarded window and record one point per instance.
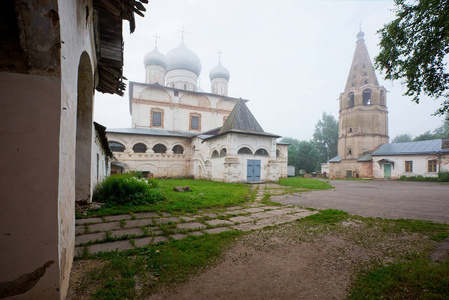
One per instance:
(409, 166)
(245, 150)
(215, 154)
(367, 96)
(278, 153)
(140, 148)
(116, 147)
(350, 100)
(178, 149)
(159, 148)
(223, 152)
(262, 152)
(432, 166)
(156, 119)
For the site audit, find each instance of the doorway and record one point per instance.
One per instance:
(387, 170)
(253, 170)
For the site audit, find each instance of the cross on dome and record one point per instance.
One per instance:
(182, 33)
(219, 55)
(156, 36)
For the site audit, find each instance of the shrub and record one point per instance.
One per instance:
(124, 189)
(137, 174)
(443, 177)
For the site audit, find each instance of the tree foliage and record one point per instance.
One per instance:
(413, 48)
(302, 155)
(402, 138)
(325, 137)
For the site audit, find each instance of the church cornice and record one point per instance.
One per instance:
(181, 106)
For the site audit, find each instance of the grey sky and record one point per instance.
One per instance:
(290, 58)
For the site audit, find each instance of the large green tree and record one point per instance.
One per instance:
(325, 137)
(302, 155)
(413, 48)
(402, 138)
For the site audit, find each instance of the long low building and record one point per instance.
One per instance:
(425, 158)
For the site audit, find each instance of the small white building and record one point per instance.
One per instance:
(425, 158)
(101, 156)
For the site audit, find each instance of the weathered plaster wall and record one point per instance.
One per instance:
(29, 122)
(101, 164)
(420, 165)
(363, 169)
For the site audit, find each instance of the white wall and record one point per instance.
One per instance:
(101, 163)
(420, 165)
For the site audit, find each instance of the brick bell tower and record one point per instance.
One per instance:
(363, 117)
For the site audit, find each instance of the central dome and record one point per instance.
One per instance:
(219, 72)
(182, 58)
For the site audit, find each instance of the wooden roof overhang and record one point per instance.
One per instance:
(108, 19)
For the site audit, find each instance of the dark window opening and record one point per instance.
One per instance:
(349, 174)
(215, 154)
(139, 148)
(157, 118)
(195, 122)
(223, 152)
(159, 148)
(350, 100)
(261, 152)
(365, 73)
(366, 81)
(176, 93)
(116, 147)
(364, 66)
(278, 153)
(349, 151)
(245, 150)
(367, 96)
(178, 149)
(350, 129)
(185, 86)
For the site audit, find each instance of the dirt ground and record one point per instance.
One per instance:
(279, 264)
(389, 199)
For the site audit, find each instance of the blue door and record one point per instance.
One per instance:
(253, 170)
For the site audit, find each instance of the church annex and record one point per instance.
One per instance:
(178, 130)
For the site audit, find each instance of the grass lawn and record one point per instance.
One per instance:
(305, 184)
(204, 194)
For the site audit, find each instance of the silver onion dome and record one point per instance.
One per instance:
(182, 58)
(155, 58)
(219, 72)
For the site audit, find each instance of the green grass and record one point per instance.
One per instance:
(204, 194)
(328, 216)
(415, 279)
(154, 266)
(442, 177)
(305, 183)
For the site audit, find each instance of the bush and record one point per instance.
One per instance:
(443, 177)
(124, 189)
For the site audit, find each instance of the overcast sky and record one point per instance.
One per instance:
(290, 58)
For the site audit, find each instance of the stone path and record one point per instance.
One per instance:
(134, 230)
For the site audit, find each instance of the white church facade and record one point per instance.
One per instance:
(179, 131)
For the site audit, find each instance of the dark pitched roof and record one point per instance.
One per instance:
(103, 139)
(241, 119)
(421, 147)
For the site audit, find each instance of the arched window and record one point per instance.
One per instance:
(382, 98)
(278, 153)
(262, 152)
(215, 154)
(178, 149)
(159, 148)
(139, 148)
(349, 151)
(367, 96)
(116, 147)
(223, 152)
(350, 99)
(245, 150)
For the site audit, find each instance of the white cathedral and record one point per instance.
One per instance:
(179, 131)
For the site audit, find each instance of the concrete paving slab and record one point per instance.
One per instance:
(132, 231)
(261, 215)
(81, 239)
(146, 215)
(187, 219)
(210, 215)
(278, 212)
(78, 251)
(166, 214)
(79, 230)
(218, 222)
(138, 223)
(167, 220)
(104, 226)
(158, 239)
(195, 233)
(113, 246)
(156, 232)
(233, 208)
(217, 230)
(191, 225)
(240, 219)
(253, 210)
(248, 226)
(88, 221)
(117, 218)
(304, 214)
(270, 207)
(143, 242)
(178, 236)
